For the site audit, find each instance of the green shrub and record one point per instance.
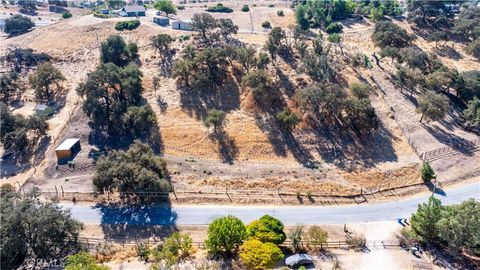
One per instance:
(66, 15)
(271, 5)
(257, 255)
(266, 24)
(220, 8)
(280, 13)
(245, 8)
(180, 7)
(334, 28)
(427, 172)
(129, 25)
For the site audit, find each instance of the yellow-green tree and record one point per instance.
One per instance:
(258, 255)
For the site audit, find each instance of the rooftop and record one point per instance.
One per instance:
(67, 144)
(134, 8)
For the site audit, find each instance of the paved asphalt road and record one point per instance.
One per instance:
(290, 215)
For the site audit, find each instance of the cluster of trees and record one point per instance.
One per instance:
(418, 71)
(34, 228)
(128, 25)
(456, 226)
(213, 30)
(131, 172)
(466, 26)
(257, 242)
(18, 59)
(328, 103)
(113, 92)
(18, 24)
(432, 12)
(313, 13)
(19, 133)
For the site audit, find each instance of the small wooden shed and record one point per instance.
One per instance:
(182, 25)
(163, 21)
(67, 149)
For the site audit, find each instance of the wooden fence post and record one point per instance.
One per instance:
(63, 194)
(56, 191)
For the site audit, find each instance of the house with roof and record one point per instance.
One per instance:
(133, 11)
(67, 149)
(183, 25)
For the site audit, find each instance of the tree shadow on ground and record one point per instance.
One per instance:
(137, 221)
(283, 141)
(447, 51)
(227, 148)
(13, 163)
(197, 101)
(285, 83)
(452, 140)
(347, 150)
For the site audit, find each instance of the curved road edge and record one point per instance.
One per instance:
(289, 215)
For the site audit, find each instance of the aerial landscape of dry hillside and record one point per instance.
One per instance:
(254, 153)
(260, 134)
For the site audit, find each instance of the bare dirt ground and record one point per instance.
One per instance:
(198, 162)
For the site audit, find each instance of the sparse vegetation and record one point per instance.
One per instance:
(266, 24)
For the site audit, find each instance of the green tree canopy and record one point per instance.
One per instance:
(166, 6)
(225, 235)
(18, 24)
(471, 115)
(423, 222)
(161, 43)
(115, 50)
(83, 261)
(108, 92)
(30, 226)
(433, 106)
(387, 33)
(459, 226)
(132, 172)
(215, 118)
(44, 78)
(267, 229)
(258, 255)
(287, 119)
(426, 172)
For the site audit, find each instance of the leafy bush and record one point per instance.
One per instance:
(387, 33)
(18, 24)
(271, 5)
(426, 172)
(474, 48)
(280, 13)
(220, 8)
(287, 119)
(132, 172)
(129, 25)
(317, 236)
(266, 24)
(180, 7)
(258, 255)
(334, 28)
(267, 229)
(245, 8)
(83, 260)
(66, 15)
(225, 235)
(360, 90)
